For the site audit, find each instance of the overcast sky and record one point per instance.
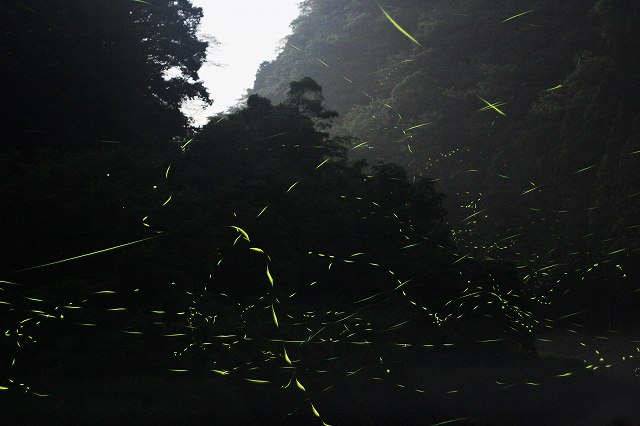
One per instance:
(249, 32)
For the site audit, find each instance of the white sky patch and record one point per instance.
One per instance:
(249, 32)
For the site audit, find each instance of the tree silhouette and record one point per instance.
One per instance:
(115, 71)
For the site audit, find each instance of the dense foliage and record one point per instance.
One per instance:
(98, 70)
(92, 93)
(527, 113)
(284, 256)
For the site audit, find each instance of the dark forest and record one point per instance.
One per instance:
(423, 212)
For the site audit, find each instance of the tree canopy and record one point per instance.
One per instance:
(115, 71)
(284, 256)
(526, 114)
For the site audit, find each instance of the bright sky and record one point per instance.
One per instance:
(249, 32)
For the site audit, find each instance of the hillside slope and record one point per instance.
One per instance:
(528, 116)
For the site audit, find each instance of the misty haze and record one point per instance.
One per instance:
(420, 212)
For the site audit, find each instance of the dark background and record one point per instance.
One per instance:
(389, 229)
